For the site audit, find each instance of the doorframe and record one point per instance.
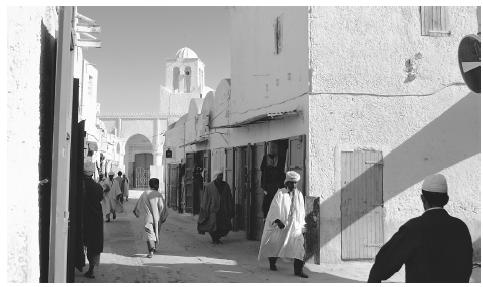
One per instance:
(59, 215)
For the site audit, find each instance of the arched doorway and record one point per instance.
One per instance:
(138, 158)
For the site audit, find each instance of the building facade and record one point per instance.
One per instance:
(387, 108)
(363, 110)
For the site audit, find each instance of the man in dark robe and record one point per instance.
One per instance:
(435, 247)
(216, 209)
(93, 219)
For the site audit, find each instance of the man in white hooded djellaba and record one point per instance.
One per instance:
(284, 226)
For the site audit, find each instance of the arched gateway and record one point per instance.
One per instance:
(141, 139)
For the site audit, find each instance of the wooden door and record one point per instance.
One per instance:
(142, 162)
(361, 204)
(256, 192)
(207, 166)
(248, 195)
(189, 183)
(230, 177)
(296, 159)
(173, 171)
(241, 171)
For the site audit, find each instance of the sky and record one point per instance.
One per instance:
(136, 42)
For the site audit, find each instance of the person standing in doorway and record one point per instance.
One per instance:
(122, 186)
(125, 186)
(152, 206)
(216, 209)
(93, 234)
(272, 176)
(284, 227)
(435, 247)
(101, 166)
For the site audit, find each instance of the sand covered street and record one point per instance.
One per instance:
(186, 256)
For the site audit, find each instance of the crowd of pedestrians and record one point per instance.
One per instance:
(434, 247)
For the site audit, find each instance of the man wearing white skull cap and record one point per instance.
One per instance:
(284, 226)
(435, 247)
(216, 208)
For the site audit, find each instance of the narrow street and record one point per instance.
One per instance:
(186, 256)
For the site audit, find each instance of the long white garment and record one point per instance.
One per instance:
(110, 203)
(288, 242)
(152, 207)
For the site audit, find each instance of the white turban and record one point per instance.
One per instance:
(216, 173)
(435, 183)
(111, 173)
(89, 168)
(292, 176)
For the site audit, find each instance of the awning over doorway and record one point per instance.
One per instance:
(261, 119)
(198, 141)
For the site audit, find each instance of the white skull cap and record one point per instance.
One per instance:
(435, 183)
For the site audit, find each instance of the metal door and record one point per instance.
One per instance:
(188, 182)
(361, 204)
(296, 159)
(256, 192)
(142, 162)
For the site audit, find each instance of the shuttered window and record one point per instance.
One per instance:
(277, 28)
(434, 21)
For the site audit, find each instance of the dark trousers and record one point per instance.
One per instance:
(298, 265)
(215, 235)
(151, 245)
(93, 258)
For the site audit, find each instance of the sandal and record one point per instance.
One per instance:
(89, 275)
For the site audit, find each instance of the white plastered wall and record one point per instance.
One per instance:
(362, 99)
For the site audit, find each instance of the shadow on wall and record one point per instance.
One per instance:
(451, 138)
(46, 109)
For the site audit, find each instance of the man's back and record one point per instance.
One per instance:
(435, 247)
(446, 251)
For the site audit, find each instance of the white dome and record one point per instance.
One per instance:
(186, 53)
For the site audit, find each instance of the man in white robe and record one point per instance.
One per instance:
(284, 226)
(111, 202)
(152, 206)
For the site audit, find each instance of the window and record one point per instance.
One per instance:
(187, 80)
(175, 78)
(434, 21)
(277, 27)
